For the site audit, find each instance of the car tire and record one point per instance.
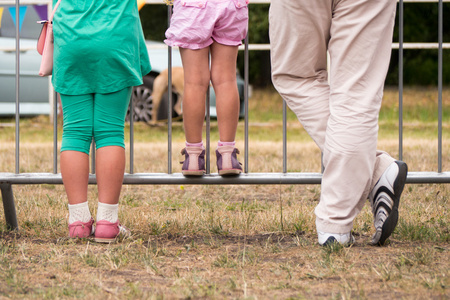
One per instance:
(143, 102)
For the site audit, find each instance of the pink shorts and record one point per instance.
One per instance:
(196, 24)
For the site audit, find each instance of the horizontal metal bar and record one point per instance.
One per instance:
(178, 178)
(25, 2)
(266, 47)
(421, 45)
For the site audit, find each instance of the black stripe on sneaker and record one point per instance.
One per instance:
(385, 190)
(386, 207)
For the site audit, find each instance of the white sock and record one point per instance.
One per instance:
(108, 212)
(79, 212)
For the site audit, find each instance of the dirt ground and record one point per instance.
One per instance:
(261, 266)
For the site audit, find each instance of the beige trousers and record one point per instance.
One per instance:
(340, 114)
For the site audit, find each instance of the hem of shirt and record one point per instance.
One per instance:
(101, 90)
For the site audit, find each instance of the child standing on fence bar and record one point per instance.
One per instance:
(100, 54)
(341, 115)
(200, 28)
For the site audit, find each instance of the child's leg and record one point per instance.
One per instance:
(77, 136)
(223, 77)
(196, 81)
(109, 119)
(76, 141)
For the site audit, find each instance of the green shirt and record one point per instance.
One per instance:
(99, 46)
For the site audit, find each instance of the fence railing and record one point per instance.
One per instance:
(283, 177)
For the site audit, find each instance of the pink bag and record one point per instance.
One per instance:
(45, 45)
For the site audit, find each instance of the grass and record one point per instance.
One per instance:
(238, 242)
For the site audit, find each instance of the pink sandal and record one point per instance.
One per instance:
(80, 229)
(107, 232)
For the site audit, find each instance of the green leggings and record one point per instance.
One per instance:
(98, 116)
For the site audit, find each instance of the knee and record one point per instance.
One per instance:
(77, 137)
(110, 135)
(219, 77)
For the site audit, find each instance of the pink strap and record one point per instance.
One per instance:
(53, 12)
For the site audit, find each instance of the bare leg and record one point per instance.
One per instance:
(196, 81)
(110, 165)
(75, 174)
(223, 76)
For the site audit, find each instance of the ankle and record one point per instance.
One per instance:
(108, 212)
(79, 212)
(200, 145)
(220, 143)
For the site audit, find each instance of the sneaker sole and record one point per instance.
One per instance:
(332, 241)
(391, 221)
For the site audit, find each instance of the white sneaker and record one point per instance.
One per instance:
(385, 198)
(327, 239)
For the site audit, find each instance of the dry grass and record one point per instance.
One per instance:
(239, 242)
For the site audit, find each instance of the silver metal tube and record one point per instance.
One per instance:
(9, 206)
(400, 82)
(178, 178)
(169, 110)
(131, 135)
(93, 157)
(284, 137)
(17, 88)
(246, 83)
(440, 40)
(55, 132)
(208, 128)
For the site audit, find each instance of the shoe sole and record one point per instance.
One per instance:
(332, 241)
(193, 173)
(391, 221)
(230, 172)
(104, 241)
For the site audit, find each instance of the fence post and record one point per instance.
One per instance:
(8, 206)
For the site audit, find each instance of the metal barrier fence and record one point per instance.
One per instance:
(284, 177)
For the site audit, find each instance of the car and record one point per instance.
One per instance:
(34, 90)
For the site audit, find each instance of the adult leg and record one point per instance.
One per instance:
(360, 47)
(223, 77)
(299, 35)
(196, 81)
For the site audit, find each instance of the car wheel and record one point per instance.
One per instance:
(143, 102)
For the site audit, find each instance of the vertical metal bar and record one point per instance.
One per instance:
(400, 82)
(169, 86)
(246, 83)
(284, 137)
(9, 206)
(55, 132)
(17, 86)
(131, 134)
(440, 40)
(208, 127)
(93, 157)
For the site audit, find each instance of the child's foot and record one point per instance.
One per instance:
(227, 162)
(194, 162)
(107, 232)
(80, 229)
